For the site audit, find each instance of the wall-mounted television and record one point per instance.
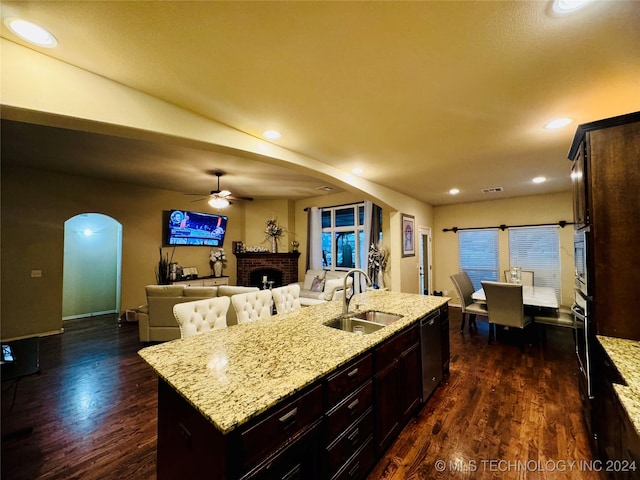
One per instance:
(183, 227)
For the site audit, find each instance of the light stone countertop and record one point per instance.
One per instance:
(234, 374)
(625, 355)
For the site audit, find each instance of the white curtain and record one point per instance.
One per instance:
(315, 239)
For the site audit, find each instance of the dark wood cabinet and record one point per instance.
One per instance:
(349, 419)
(606, 180)
(397, 385)
(617, 441)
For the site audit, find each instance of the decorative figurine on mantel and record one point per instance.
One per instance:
(295, 244)
(217, 259)
(274, 232)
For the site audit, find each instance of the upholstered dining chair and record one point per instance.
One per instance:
(563, 317)
(201, 315)
(505, 307)
(526, 277)
(252, 306)
(287, 298)
(464, 288)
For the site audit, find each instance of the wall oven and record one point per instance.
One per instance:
(584, 331)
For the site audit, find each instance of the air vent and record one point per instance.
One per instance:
(492, 190)
(325, 188)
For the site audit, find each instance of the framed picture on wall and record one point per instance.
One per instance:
(408, 235)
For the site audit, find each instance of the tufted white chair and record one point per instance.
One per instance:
(287, 298)
(252, 306)
(202, 315)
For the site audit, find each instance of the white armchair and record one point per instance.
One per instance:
(201, 316)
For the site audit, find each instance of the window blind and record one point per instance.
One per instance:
(537, 249)
(478, 253)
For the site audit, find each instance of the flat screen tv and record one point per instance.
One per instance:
(183, 227)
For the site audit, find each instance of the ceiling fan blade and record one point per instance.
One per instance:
(234, 197)
(224, 193)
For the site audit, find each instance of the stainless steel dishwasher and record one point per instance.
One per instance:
(431, 353)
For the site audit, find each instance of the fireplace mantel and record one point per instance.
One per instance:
(284, 263)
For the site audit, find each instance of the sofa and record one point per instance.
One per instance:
(156, 322)
(321, 286)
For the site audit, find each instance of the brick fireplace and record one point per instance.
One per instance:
(281, 268)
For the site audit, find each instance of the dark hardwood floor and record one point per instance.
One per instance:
(93, 410)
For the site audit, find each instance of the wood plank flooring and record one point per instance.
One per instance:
(93, 409)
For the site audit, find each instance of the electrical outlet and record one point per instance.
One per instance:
(36, 273)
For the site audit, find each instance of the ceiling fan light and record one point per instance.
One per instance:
(218, 202)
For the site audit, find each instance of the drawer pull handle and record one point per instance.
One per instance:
(289, 419)
(354, 435)
(353, 404)
(292, 474)
(352, 373)
(354, 470)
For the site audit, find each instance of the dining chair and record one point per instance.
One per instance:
(287, 298)
(505, 307)
(201, 316)
(252, 306)
(526, 277)
(563, 317)
(464, 289)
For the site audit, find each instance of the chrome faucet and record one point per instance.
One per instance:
(347, 298)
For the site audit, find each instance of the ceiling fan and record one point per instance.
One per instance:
(219, 198)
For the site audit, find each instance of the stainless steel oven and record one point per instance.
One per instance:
(584, 331)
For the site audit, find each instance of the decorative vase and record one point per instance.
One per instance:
(274, 244)
(380, 278)
(217, 269)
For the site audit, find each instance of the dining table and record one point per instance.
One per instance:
(540, 297)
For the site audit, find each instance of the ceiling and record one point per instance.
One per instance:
(424, 96)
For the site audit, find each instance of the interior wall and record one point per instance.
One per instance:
(257, 213)
(515, 211)
(35, 204)
(91, 265)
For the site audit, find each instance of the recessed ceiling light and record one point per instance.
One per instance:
(31, 32)
(539, 180)
(454, 191)
(563, 7)
(272, 135)
(557, 123)
(357, 171)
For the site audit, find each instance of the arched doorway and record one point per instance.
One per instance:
(92, 266)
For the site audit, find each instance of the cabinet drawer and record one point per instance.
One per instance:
(267, 435)
(347, 379)
(346, 412)
(349, 442)
(392, 348)
(298, 461)
(358, 467)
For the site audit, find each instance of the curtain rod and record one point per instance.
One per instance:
(561, 223)
(337, 206)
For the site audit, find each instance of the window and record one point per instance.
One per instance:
(537, 249)
(343, 236)
(478, 252)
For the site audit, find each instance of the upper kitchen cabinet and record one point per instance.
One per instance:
(606, 178)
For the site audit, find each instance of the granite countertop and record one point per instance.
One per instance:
(234, 374)
(625, 355)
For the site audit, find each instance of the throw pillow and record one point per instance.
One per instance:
(317, 285)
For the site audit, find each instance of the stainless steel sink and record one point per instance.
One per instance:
(377, 317)
(355, 325)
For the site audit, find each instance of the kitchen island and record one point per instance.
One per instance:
(244, 401)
